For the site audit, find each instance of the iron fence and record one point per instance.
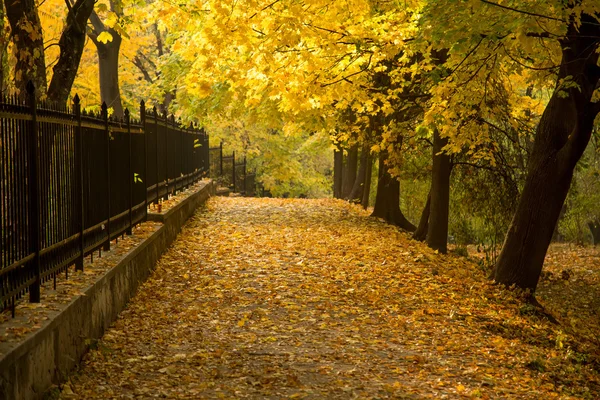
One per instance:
(71, 181)
(231, 173)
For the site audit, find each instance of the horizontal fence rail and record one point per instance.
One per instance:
(71, 181)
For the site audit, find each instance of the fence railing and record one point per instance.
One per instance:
(231, 173)
(71, 181)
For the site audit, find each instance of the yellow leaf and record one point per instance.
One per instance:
(104, 37)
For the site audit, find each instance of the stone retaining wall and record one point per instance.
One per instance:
(46, 356)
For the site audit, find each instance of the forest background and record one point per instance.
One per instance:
(481, 115)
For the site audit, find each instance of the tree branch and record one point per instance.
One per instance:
(521, 11)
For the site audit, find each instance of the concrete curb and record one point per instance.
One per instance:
(46, 356)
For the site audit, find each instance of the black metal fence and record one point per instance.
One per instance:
(231, 173)
(70, 182)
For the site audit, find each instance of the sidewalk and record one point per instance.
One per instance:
(276, 298)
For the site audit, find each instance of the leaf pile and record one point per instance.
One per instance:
(30, 317)
(281, 298)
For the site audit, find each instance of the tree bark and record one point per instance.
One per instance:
(356, 193)
(421, 232)
(561, 137)
(350, 168)
(28, 40)
(4, 39)
(367, 188)
(437, 230)
(108, 62)
(387, 201)
(338, 162)
(71, 43)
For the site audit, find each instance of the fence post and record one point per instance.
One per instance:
(130, 170)
(108, 194)
(206, 156)
(245, 178)
(166, 135)
(157, 157)
(143, 121)
(182, 153)
(34, 200)
(79, 167)
(221, 159)
(233, 169)
(191, 161)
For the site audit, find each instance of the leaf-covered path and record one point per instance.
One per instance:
(273, 298)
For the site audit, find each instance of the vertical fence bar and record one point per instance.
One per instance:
(166, 136)
(143, 122)
(34, 200)
(233, 169)
(108, 194)
(79, 167)
(221, 159)
(157, 156)
(182, 151)
(245, 178)
(191, 160)
(205, 160)
(129, 171)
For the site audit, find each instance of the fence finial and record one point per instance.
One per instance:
(76, 99)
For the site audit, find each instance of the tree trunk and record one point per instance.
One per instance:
(387, 201)
(4, 40)
(421, 232)
(350, 168)
(28, 40)
(108, 63)
(359, 183)
(595, 230)
(437, 230)
(71, 45)
(338, 162)
(367, 188)
(561, 137)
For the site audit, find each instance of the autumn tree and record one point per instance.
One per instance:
(28, 45)
(107, 37)
(4, 41)
(562, 136)
(71, 43)
(529, 41)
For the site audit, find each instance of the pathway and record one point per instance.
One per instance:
(274, 298)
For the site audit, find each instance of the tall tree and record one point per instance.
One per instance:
(387, 200)
(439, 196)
(350, 171)
(71, 43)
(356, 194)
(107, 39)
(4, 41)
(28, 40)
(561, 137)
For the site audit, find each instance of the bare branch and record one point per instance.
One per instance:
(521, 11)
